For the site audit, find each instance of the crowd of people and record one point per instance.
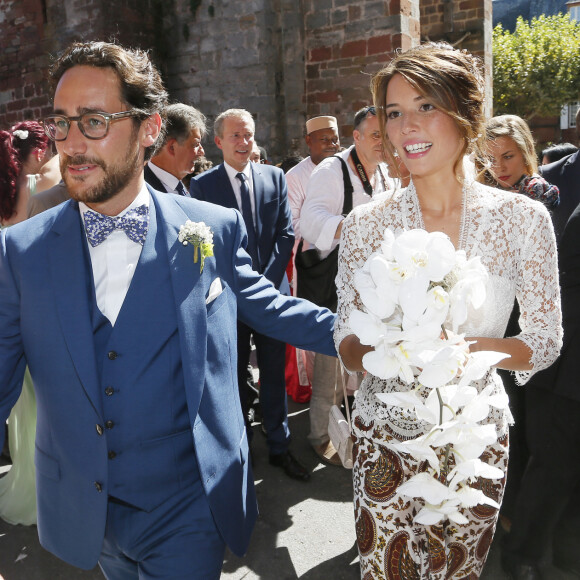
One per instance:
(131, 296)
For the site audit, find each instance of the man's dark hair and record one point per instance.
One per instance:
(141, 84)
(559, 151)
(180, 121)
(362, 114)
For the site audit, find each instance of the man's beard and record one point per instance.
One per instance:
(116, 177)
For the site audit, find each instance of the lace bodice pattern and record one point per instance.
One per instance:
(514, 237)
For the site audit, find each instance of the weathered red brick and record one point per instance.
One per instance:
(325, 97)
(380, 44)
(355, 48)
(320, 53)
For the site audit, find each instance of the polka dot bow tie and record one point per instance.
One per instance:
(134, 223)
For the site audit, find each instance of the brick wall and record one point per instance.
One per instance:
(465, 24)
(345, 43)
(283, 60)
(32, 31)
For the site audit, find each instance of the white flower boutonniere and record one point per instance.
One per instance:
(200, 237)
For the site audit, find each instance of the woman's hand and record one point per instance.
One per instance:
(520, 353)
(352, 351)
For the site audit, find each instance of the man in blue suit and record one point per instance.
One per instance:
(130, 338)
(259, 193)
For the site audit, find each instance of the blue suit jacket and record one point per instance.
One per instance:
(45, 322)
(273, 216)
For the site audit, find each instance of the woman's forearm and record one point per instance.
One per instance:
(520, 353)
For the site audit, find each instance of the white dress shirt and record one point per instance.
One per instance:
(236, 186)
(297, 181)
(322, 210)
(114, 261)
(168, 180)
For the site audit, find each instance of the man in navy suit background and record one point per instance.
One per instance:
(179, 147)
(259, 192)
(141, 449)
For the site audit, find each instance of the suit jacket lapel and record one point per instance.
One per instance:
(153, 180)
(189, 294)
(258, 182)
(225, 189)
(71, 278)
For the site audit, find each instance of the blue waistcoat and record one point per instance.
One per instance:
(146, 420)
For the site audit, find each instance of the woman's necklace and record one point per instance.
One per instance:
(464, 218)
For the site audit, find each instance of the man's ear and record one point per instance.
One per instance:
(356, 135)
(170, 145)
(308, 140)
(218, 142)
(151, 129)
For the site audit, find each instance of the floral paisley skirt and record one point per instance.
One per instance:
(390, 545)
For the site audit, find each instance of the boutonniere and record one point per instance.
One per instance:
(200, 237)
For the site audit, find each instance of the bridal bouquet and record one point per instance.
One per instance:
(417, 291)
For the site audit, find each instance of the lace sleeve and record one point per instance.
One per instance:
(538, 294)
(353, 252)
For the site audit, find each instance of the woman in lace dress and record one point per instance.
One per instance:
(23, 151)
(430, 103)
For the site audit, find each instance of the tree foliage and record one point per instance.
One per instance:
(536, 69)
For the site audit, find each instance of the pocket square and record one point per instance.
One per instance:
(214, 291)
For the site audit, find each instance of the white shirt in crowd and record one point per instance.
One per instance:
(237, 184)
(297, 180)
(114, 261)
(322, 210)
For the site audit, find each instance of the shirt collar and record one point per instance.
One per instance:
(168, 179)
(247, 171)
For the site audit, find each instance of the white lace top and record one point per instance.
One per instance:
(514, 237)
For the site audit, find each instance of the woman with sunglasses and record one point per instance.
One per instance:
(430, 105)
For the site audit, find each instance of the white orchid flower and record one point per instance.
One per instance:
(404, 399)
(377, 289)
(389, 362)
(442, 366)
(431, 515)
(478, 364)
(469, 290)
(470, 497)
(369, 329)
(471, 470)
(428, 255)
(421, 450)
(453, 399)
(425, 486)
(424, 308)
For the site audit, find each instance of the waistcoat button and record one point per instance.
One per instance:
(109, 391)
(112, 355)
(109, 424)
(112, 455)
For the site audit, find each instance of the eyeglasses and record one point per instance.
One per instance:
(92, 125)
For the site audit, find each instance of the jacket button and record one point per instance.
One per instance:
(98, 486)
(109, 391)
(112, 355)
(109, 424)
(112, 455)
(99, 429)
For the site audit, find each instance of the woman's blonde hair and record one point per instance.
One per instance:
(516, 129)
(450, 78)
